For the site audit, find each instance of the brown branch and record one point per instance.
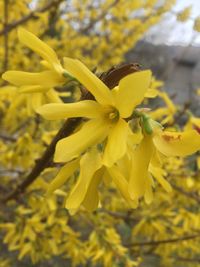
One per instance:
(161, 242)
(7, 138)
(111, 78)
(31, 15)
(67, 129)
(118, 215)
(192, 195)
(131, 32)
(98, 18)
(195, 260)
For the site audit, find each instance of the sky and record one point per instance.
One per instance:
(171, 32)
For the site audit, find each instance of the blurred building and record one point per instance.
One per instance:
(177, 66)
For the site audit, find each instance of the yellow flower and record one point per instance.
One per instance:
(40, 81)
(85, 191)
(193, 123)
(153, 91)
(108, 114)
(91, 174)
(146, 161)
(133, 175)
(196, 25)
(184, 15)
(177, 143)
(165, 113)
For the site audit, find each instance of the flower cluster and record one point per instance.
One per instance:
(117, 140)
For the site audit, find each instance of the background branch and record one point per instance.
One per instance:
(165, 241)
(31, 15)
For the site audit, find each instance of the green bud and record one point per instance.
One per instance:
(146, 124)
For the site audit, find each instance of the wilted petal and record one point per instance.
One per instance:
(91, 133)
(91, 82)
(177, 143)
(85, 108)
(131, 91)
(117, 143)
(89, 164)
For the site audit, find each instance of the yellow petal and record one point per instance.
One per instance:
(52, 96)
(91, 133)
(124, 165)
(131, 91)
(122, 185)
(168, 102)
(20, 78)
(177, 143)
(89, 164)
(134, 138)
(38, 46)
(116, 144)
(32, 89)
(158, 174)
(86, 108)
(65, 172)
(141, 157)
(156, 159)
(151, 93)
(36, 100)
(91, 200)
(148, 194)
(195, 123)
(91, 82)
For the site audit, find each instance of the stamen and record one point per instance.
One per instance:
(111, 114)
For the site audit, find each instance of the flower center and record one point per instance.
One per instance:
(111, 114)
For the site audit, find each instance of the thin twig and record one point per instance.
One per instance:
(7, 138)
(41, 164)
(31, 15)
(194, 260)
(192, 195)
(131, 32)
(161, 242)
(98, 18)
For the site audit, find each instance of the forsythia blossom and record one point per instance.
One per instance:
(116, 142)
(39, 84)
(111, 117)
(108, 114)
